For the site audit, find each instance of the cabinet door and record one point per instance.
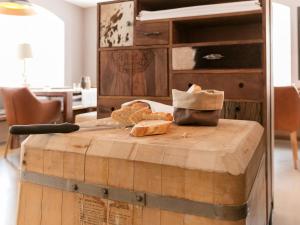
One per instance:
(116, 24)
(150, 72)
(116, 73)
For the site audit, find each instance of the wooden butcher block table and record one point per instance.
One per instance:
(190, 176)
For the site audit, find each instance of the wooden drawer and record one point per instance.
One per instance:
(235, 86)
(217, 57)
(152, 33)
(243, 110)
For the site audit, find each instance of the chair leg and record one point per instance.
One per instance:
(294, 142)
(8, 145)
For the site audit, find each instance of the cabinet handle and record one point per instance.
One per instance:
(152, 33)
(213, 57)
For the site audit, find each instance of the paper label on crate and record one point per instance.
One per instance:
(93, 211)
(119, 213)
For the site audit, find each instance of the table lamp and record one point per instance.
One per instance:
(16, 8)
(25, 52)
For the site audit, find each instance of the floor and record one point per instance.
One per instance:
(286, 181)
(286, 187)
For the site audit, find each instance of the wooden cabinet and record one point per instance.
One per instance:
(142, 72)
(116, 27)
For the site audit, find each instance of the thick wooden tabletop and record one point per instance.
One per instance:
(225, 148)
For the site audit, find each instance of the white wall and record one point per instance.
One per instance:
(90, 43)
(73, 17)
(80, 39)
(293, 4)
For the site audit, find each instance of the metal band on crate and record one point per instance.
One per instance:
(222, 212)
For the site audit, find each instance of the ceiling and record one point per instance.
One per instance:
(86, 3)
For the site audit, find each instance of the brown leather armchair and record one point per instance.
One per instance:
(22, 107)
(287, 115)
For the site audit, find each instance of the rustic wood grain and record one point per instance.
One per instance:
(30, 204)
(51, 206)
(258, 198)
(33, 160)
(71, 205)
(150, 72)
(242, 110)
(116, 73)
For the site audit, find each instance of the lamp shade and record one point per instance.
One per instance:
(16, 8)
(25, 51)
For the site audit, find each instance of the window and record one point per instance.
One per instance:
(45, 33)
(281, 45)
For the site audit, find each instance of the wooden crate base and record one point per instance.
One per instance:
(41, 205)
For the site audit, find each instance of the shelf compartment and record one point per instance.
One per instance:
(248, 56)
(236, 27)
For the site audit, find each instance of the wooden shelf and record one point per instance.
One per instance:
(219, 71)
(245, 16)
(216, 43)
(133, 47)
(171, 4)
(133, 97)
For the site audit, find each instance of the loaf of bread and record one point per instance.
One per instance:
(147, 114)
(122, 115)
(194, 89)
(150, 127)
(132, 114)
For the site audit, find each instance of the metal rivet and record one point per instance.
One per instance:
(105, 191)
(139, 198)
(75, 187)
